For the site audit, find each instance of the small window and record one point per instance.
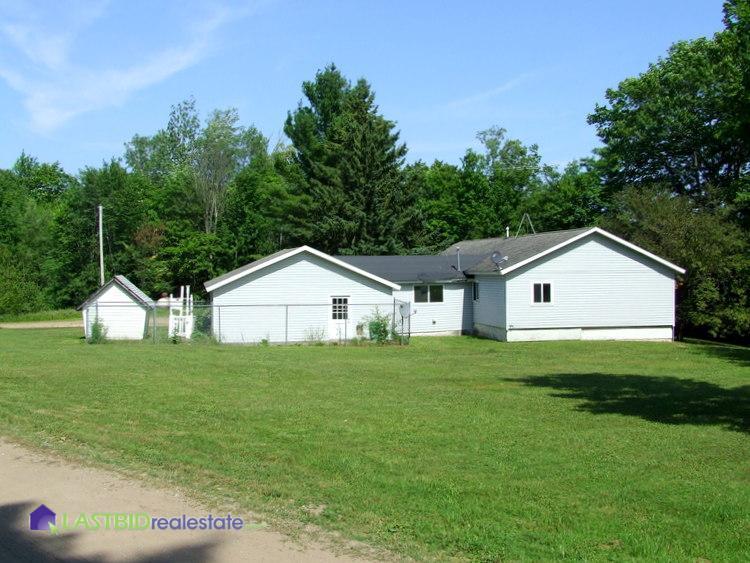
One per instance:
(428, 293)
(542, 293)
(436, 294)
(475, 287)
(340, 308)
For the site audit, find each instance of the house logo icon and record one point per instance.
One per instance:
(42, 518)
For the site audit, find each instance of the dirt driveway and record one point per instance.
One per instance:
(73, 323)
(28, 479)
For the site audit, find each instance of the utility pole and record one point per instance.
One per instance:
(101, 249)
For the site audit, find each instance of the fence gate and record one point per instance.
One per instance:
(181, 314)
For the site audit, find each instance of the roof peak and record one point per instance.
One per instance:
(553, 232)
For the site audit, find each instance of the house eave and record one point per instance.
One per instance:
(294, 252)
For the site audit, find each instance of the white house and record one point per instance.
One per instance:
(296, 295)
(574, 284)
(121, 309)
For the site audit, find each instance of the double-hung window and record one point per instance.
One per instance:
(541, 293)
(428, 293)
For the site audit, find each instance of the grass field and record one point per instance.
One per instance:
(446, 447)
(54, 315)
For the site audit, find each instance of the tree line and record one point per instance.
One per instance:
(200, 197)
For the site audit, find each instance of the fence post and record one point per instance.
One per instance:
(393, 318)
(286, 324)
(153, 330)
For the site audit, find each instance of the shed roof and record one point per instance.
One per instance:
(129, 287)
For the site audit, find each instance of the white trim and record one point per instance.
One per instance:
(428, 285)
(604, 233)
(294, 252)
(543, 303)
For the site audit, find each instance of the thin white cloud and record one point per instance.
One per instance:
(55, 89)
(46, 41)
(487, 94)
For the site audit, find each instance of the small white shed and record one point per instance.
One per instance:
(121, 308)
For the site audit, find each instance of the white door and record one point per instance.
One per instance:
(338, 318)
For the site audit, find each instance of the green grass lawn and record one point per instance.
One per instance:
(446, 447)
(54, 315)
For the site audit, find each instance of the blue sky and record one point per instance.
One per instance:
(79, 78)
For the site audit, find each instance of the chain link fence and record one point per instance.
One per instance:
(339, 321)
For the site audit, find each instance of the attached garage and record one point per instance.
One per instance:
(296, 295)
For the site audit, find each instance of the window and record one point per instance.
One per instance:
(542, 292)
(475, 287)
(340, 308)
(428, 293)
(436, 294)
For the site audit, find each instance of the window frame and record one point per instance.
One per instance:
(340, 308)
(442, 292)
(426, 295)
(429, 292)
(543, 303)
(475, 291)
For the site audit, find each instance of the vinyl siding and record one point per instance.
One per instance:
(595, 283)
(489, 309)
(291, 301)
(121, 316)
(454, 314)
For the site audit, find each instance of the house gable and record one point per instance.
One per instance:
(518, 252)
(221, 281)
(595, 281)
(601, 232)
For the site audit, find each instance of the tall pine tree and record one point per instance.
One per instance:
(354, 197)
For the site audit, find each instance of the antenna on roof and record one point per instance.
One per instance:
(498, 259)
(526, 217)
(458, 258)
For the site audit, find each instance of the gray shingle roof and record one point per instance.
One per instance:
(413, 268)
(475, 258)
(516, 249)
(134, 291)
(128, 286)
(246, 267)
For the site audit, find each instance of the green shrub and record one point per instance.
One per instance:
(379, 326)
(18, 292)
(98, 333)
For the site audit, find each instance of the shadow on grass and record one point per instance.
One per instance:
(18, 543)
(669, 400)
(729, 352)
